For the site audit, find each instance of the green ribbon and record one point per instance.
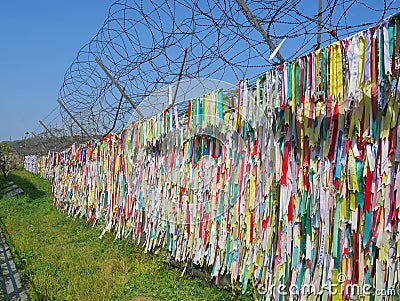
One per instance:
(391, 27)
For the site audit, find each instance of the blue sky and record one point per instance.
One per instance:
(39, 40)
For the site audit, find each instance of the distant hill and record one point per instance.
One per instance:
(40, 144)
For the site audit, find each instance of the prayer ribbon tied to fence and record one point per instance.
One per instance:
(291, 179)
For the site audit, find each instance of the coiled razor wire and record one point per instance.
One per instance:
(142, 44)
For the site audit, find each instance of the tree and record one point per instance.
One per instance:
(4, 157)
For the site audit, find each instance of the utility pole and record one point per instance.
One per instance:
(26, 136)
(257, 25)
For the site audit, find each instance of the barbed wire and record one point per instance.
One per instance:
(142, 43)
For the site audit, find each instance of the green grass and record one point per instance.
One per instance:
(63, 259)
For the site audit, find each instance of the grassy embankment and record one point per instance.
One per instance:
(63, 259)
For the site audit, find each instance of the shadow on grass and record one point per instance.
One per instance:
(27, 186)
